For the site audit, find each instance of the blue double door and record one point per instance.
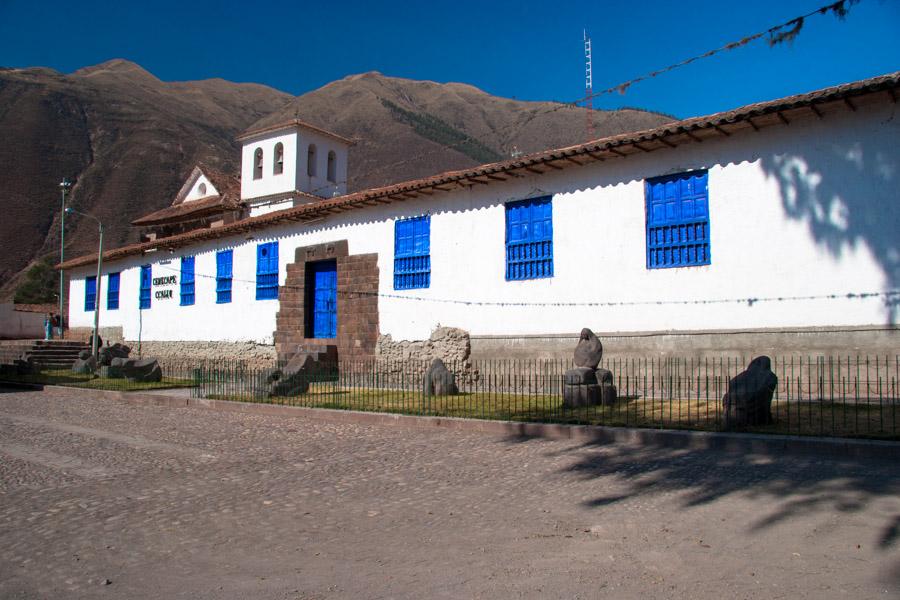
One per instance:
(321, 285)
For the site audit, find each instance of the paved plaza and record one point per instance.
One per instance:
(101, 499)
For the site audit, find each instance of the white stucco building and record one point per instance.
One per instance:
(743, 229)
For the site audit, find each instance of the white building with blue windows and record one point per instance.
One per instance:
(772, 226)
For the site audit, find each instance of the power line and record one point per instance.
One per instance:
(777, 34)
(888, 295)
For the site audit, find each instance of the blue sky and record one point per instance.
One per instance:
(527, 50)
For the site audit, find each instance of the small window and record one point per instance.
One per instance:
(223, 276)
(529, 239)
(278, 165)
(412, 253)
(201, 189)
(311, 161)
(678, 220)
(267, 271)
(257, 163)
(187, 281)
(332, 166)
(146, 281)
(112, 291)
(90, 293)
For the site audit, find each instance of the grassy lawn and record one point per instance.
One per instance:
(796, 417)
(69, 378)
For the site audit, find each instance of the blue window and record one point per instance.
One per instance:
(223, 276)
(90, 293)
(678, 220)
(412, 253)
(529, 239)
(112, 292)
(146, 280)
(187, 280)
(267, 271)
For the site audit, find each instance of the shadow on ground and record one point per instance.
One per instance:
(786, 486)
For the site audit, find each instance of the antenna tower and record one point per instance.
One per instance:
(588, 87)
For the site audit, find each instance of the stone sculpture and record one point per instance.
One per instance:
(108, 353)
(84, 366)
(586, 385)
(438, 380)
(293, 379)
(748, 400)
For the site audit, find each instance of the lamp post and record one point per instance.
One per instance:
(64, 186)
(94, 340)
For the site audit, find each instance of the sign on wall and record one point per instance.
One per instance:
(164, 281)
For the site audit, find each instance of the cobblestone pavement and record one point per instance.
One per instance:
(100, 499)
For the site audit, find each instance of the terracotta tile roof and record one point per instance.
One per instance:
(194, 209)
(747, 118)
(305, 196)
(254, 131)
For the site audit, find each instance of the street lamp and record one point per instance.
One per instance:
(64, 186)
(95, 339)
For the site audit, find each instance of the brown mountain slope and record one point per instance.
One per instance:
(125, 137)
(130, 139)
(407, 129)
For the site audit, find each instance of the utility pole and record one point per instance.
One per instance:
(64, 186)
(588, 87)
(95, 338)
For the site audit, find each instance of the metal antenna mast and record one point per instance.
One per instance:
(588, 87)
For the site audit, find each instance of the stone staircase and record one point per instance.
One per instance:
(49, 354)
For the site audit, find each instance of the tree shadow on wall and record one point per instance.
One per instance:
(846, 192)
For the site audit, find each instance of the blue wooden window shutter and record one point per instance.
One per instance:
(146, 281)
(223, 276)
(267, 271)
(187, 280)
(529, 239)
(412, 253)
(112, 291)
(678, 220)
(90, 293)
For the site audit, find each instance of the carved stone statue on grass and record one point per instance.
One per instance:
(748, 400)
(439, 380)
(586, 385)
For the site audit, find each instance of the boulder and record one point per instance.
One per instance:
(294, 378)
(108, 353)
(589, 350)
(84, 354)
(141, 371)
(85, 366)
(438, 380)
(748, 400)
(24, 365)
(585, 394)
(110, 372)
(604, 377)
(580, 376)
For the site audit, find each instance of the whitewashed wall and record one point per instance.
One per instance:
(195, 192)
(269, 183)
(804, 210)
(294, 177)
(319, 184)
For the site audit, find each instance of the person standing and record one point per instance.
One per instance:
(48, 327)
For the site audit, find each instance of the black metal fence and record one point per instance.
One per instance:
(852, 396)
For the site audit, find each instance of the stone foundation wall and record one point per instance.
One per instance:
(808, 341)
(412, 358)
(252, 354)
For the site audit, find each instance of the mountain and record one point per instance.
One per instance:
(407, 129)
(129, 140)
